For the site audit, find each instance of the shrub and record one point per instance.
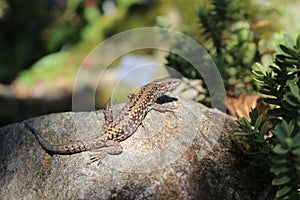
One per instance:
(274, 140)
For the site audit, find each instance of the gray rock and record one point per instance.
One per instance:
(189, 153)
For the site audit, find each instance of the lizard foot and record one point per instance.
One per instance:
(97, 157)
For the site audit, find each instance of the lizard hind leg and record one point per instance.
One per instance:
(112, 147)
(97, 157)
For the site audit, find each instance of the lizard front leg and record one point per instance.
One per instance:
(162, 107)
(108, 115)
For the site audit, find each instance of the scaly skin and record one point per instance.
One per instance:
(119, 128)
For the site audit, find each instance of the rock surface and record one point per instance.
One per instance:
(189, 153)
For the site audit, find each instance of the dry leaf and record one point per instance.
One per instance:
(241, 106)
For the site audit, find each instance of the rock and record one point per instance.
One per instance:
(189, 153)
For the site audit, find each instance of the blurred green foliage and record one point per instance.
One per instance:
(31, 29)
(99, 24)
(45, 68)
(233, 33)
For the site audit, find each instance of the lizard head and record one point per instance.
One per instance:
(163, 85)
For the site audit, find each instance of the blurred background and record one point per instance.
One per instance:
(44, 42)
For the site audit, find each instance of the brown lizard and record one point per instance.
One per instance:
(119, 128)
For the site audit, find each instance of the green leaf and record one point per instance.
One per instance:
(261, 69)
(292, 101)
(279, 161)
(280, 133)
(274, 121)
(244, 142)
(289, 127)
(243, 133)
(294, 89)
(281, 179)
(286, 128)
(259, 139)
(272, 101)
(266, 92)
(278, 170)
(246, 125)
(275, 112)
(264, 129)
(280, 150)
(253, 114)
(296, 139)
(288, 51)
(258, 122)
(289, 142)
(292, 69)
(283, 191)
(296, 152)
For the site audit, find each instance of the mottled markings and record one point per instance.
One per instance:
(122, 126)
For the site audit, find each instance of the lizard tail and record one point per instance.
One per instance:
(57, 149)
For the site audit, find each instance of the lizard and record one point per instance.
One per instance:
(118, 128)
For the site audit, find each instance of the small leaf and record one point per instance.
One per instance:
(294, 89)
(289, 142)
(292, 101)
(246, 124)
(278, 170)
(243, 133)
(274, 121)
(258, 122)
(278, 159)
(281, 179)
(244, 142)
(275, 112)
(285, 127)
(261, 68)
(296, 139)
(280, 133)
(254, 114)
(283, 191)
(272, 101)
(259, 140)
(296, 152)
(264, 129)
(288, 51)
(292, 69)
(289, 128)
(280, 150)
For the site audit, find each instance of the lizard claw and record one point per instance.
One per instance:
(98, 157)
